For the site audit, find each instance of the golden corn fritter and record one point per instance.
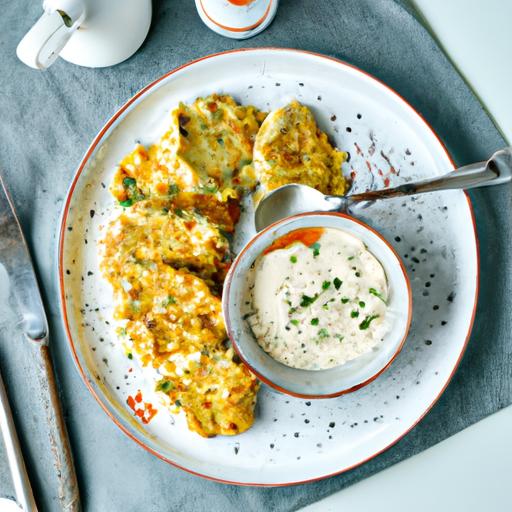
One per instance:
(217, 138)
(161, 230)
(166, 252)
(290, 148)
(218, 393)
(207, 149)
(153, 254)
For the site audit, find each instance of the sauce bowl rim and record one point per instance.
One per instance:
(246, 251)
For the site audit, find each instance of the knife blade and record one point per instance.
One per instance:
(15, 258)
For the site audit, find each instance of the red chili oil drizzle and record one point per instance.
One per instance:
(307, 236)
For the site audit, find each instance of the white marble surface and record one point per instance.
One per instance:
(477, 36)
(470, 471)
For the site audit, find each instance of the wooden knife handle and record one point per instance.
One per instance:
(57, 435)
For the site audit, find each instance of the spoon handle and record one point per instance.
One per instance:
(495, 171)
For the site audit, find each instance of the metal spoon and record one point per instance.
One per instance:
(294, 198)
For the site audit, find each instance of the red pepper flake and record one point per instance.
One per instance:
(369, 165)
(212, 106)
(143, 410)
(207, 405)
(386, 182)
(149, 414)
(381, 173)
(358, 149)
(353, 174)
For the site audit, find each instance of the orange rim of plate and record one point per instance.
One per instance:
(266, 380)
(62, 233)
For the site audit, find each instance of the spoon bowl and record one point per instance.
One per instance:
(293, 199)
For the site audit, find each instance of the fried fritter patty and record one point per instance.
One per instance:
(218, 394)
(216, 140)
(166, 260)
(290, 148)
(171, 232)
(207, 149)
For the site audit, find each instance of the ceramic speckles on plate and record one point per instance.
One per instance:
(292, 440)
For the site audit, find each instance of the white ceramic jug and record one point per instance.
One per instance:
(92, 33)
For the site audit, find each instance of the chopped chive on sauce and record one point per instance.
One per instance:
(361, 304)
(358, 274)
(367, 321)
(129, 355)
(326, 285)
(294, 322)
(126, 203)
(322, 333)
(350, 258)
(293, 259)
(307, 300)
(291, 311)
(339, 337)
(337, 283)
(354, 314)
(315, 321)
(373, 291)
(316, 249)
(177, 403)
(344, 300)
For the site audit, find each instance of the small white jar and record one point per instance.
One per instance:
(237, 19)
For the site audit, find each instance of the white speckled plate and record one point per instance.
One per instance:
(292, 440)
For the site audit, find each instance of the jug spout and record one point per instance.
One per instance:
(43, 42)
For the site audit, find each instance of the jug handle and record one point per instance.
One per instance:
(43, 42)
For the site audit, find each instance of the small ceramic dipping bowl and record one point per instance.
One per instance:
(334, 381)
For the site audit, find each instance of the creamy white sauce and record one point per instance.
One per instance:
(318, 307)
